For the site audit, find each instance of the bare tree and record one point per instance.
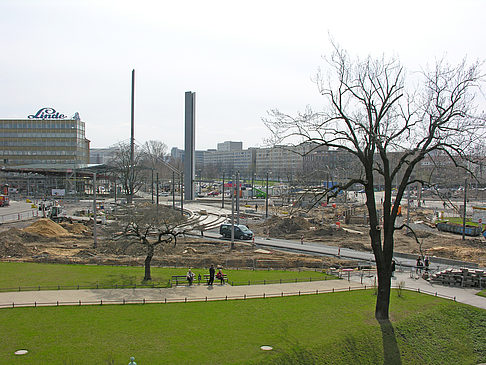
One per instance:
(370, 113)
(131, 177)
(154, 152)
(149, 226)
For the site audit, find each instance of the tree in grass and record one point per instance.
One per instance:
(149, 226)
(389, 129)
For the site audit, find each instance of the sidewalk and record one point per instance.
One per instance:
(168, 295)
(224, 292)
(462, 295)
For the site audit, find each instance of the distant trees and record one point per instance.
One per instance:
(370, 113)
(130, 177)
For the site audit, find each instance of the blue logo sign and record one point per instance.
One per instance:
(47, 113)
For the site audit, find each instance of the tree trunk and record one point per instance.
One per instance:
(148, 259)
(383, 297)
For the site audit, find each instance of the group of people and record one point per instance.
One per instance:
(212, 274)
(421, 265)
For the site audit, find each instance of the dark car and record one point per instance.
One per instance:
(241, 231)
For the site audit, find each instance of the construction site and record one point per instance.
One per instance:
(41, 239)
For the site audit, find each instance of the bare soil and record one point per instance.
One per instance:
(45, 241)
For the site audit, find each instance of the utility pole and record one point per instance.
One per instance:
(222, 205)
(266, 200)
(95, 236)
(464, 213)
(157, 192)
(408, 208)
(182, 194)
(132, 140)
(153, 185)
(237, 197)
(173, 190)
(233, 213)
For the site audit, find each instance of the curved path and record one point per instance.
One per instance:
(224, 292)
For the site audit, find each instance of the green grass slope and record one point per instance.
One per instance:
(334, 328)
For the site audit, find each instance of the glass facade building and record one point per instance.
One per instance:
(43, 141)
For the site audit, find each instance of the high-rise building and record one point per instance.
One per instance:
(46, 137)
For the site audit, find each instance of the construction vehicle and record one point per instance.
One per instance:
(4, 201)
(57, 215)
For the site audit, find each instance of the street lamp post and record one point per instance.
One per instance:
(233, 214)
(95, 236)
(237, 197)
(266, 199)
(157, 191)
(222, 205)
(173, 190)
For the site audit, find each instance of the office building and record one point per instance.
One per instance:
(46, 137)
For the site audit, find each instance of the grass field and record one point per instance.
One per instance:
(29, 276)
(336, 328)
(482, 293)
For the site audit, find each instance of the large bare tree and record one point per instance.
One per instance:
(150, 227)
(390, 128)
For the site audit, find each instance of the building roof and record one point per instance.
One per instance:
(58, 168)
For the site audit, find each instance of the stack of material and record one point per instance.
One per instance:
(460, 277)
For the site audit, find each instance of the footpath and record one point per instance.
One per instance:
(226, 292)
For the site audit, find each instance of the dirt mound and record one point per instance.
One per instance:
(459, 253)
(281, 226)
(76, 228)
(11, 244)
(47, 228)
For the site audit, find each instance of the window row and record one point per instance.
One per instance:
(42, 124)
(37, 153)
(67, 134)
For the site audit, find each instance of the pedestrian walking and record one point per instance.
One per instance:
(212, 272)
(419, 265)
(190, 276)
(426, 263)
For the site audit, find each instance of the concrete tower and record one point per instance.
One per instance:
(189, 145)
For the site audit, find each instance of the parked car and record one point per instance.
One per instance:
(241, 231)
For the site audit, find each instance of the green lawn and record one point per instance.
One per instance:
(29, 276)
(336, 328)
(482, 293)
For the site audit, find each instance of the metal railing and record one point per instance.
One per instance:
(205, 299)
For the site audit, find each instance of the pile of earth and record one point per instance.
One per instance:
(47, 228)
(11, 243)
(77, 229)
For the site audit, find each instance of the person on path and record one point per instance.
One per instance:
(190, 276)
(220, 276)
(419, 265)
(212, 272)
(426, 263)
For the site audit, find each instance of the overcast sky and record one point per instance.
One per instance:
(241, 58)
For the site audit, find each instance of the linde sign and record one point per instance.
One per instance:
(47, 113)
